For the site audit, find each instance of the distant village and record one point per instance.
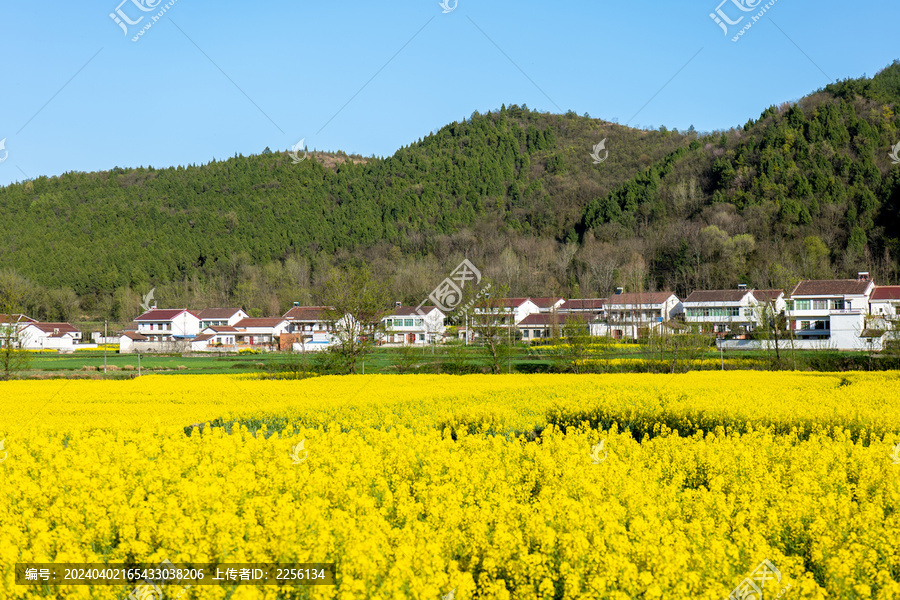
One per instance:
(838, 314)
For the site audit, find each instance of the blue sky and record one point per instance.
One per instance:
(212, 79)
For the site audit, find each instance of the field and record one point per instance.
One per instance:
(487, 486)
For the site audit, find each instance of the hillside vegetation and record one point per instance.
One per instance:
(805, 190)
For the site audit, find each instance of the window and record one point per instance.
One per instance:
(820, 304)
(421, 337)
(407, 322)
(801, 304)
(389, 322)
(837, 305)
(524, 333)
(419, 322)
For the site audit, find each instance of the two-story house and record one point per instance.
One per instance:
(169, 324)
(308, 328)
(260, 331)
(831, 311)
(737, 311)
(220, 317)
(884, 309)
(632, 315)
(407, 325)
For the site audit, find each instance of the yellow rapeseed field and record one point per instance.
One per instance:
(489, 487)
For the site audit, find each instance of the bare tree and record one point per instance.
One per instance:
(13, 355)
(357, 304)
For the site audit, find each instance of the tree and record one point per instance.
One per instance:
(357, 303)
(491, 322)
(13, 356)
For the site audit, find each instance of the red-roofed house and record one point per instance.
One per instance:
(166, 325)
(548, 304)
(631, 315)
(589, 306)
(723, 311)
(831, 311)
(260, 332)
(46, 336)
(308, 328)
(885, 301)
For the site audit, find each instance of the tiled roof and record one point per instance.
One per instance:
(133, 335)
(17, 318)
(163, 314)
(831, 287)
(51, 327)
(546, 302)
(223, 329)
(632, 299)
(264, 322)
(539, 319)
(217, 313)
(886, 292)
(203, 337)
(306, 313)
(767, 295)
(717, 296)
(583, 304)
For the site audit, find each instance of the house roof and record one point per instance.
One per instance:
(767, 295)
(263, 322)
(539, 319)
(514, 302)
(15, 318)
(133, 335)
(831, 287)
(583, 304)
(638, 299)
(163, 314)
(222, 329)
(52, 327)
(546, 302)
(217, 313)
(203, 337)
(306, 313)
(716, 296)
(405, 311)
(885, 292)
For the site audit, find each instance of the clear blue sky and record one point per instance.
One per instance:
(212, 79)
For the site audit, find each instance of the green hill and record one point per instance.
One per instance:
(806, 190)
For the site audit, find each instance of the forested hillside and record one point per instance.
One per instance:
(805, 190)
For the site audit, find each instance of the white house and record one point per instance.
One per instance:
(308, 329)
(406, 325)
(593, 307)
(884, 309)
(49, 336)
(631, 315)
(509, 312)
(831, 312)
(128, 339)
(221, 335)
(220, 317)
(260, 332)
(724, 311)
(165, 325)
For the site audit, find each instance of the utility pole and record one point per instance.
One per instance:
(105, 334)
(509, 345)
(139, 364)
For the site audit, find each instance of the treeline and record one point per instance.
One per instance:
(807, 190)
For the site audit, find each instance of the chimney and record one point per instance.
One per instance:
(619, 291)
(742, 286)
(296, 305)
(862, 276)
(398, 304)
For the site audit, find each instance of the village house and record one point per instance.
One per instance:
(593, 307)
(168, 325)
(220, 317)
(260, 331)
(633, 315)
(831, 311)
(49, 336)
(548, 304)
(884, 310)
(308, 329)
(406, 325)
(509, 313)
(731, 311)
(128, 341)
